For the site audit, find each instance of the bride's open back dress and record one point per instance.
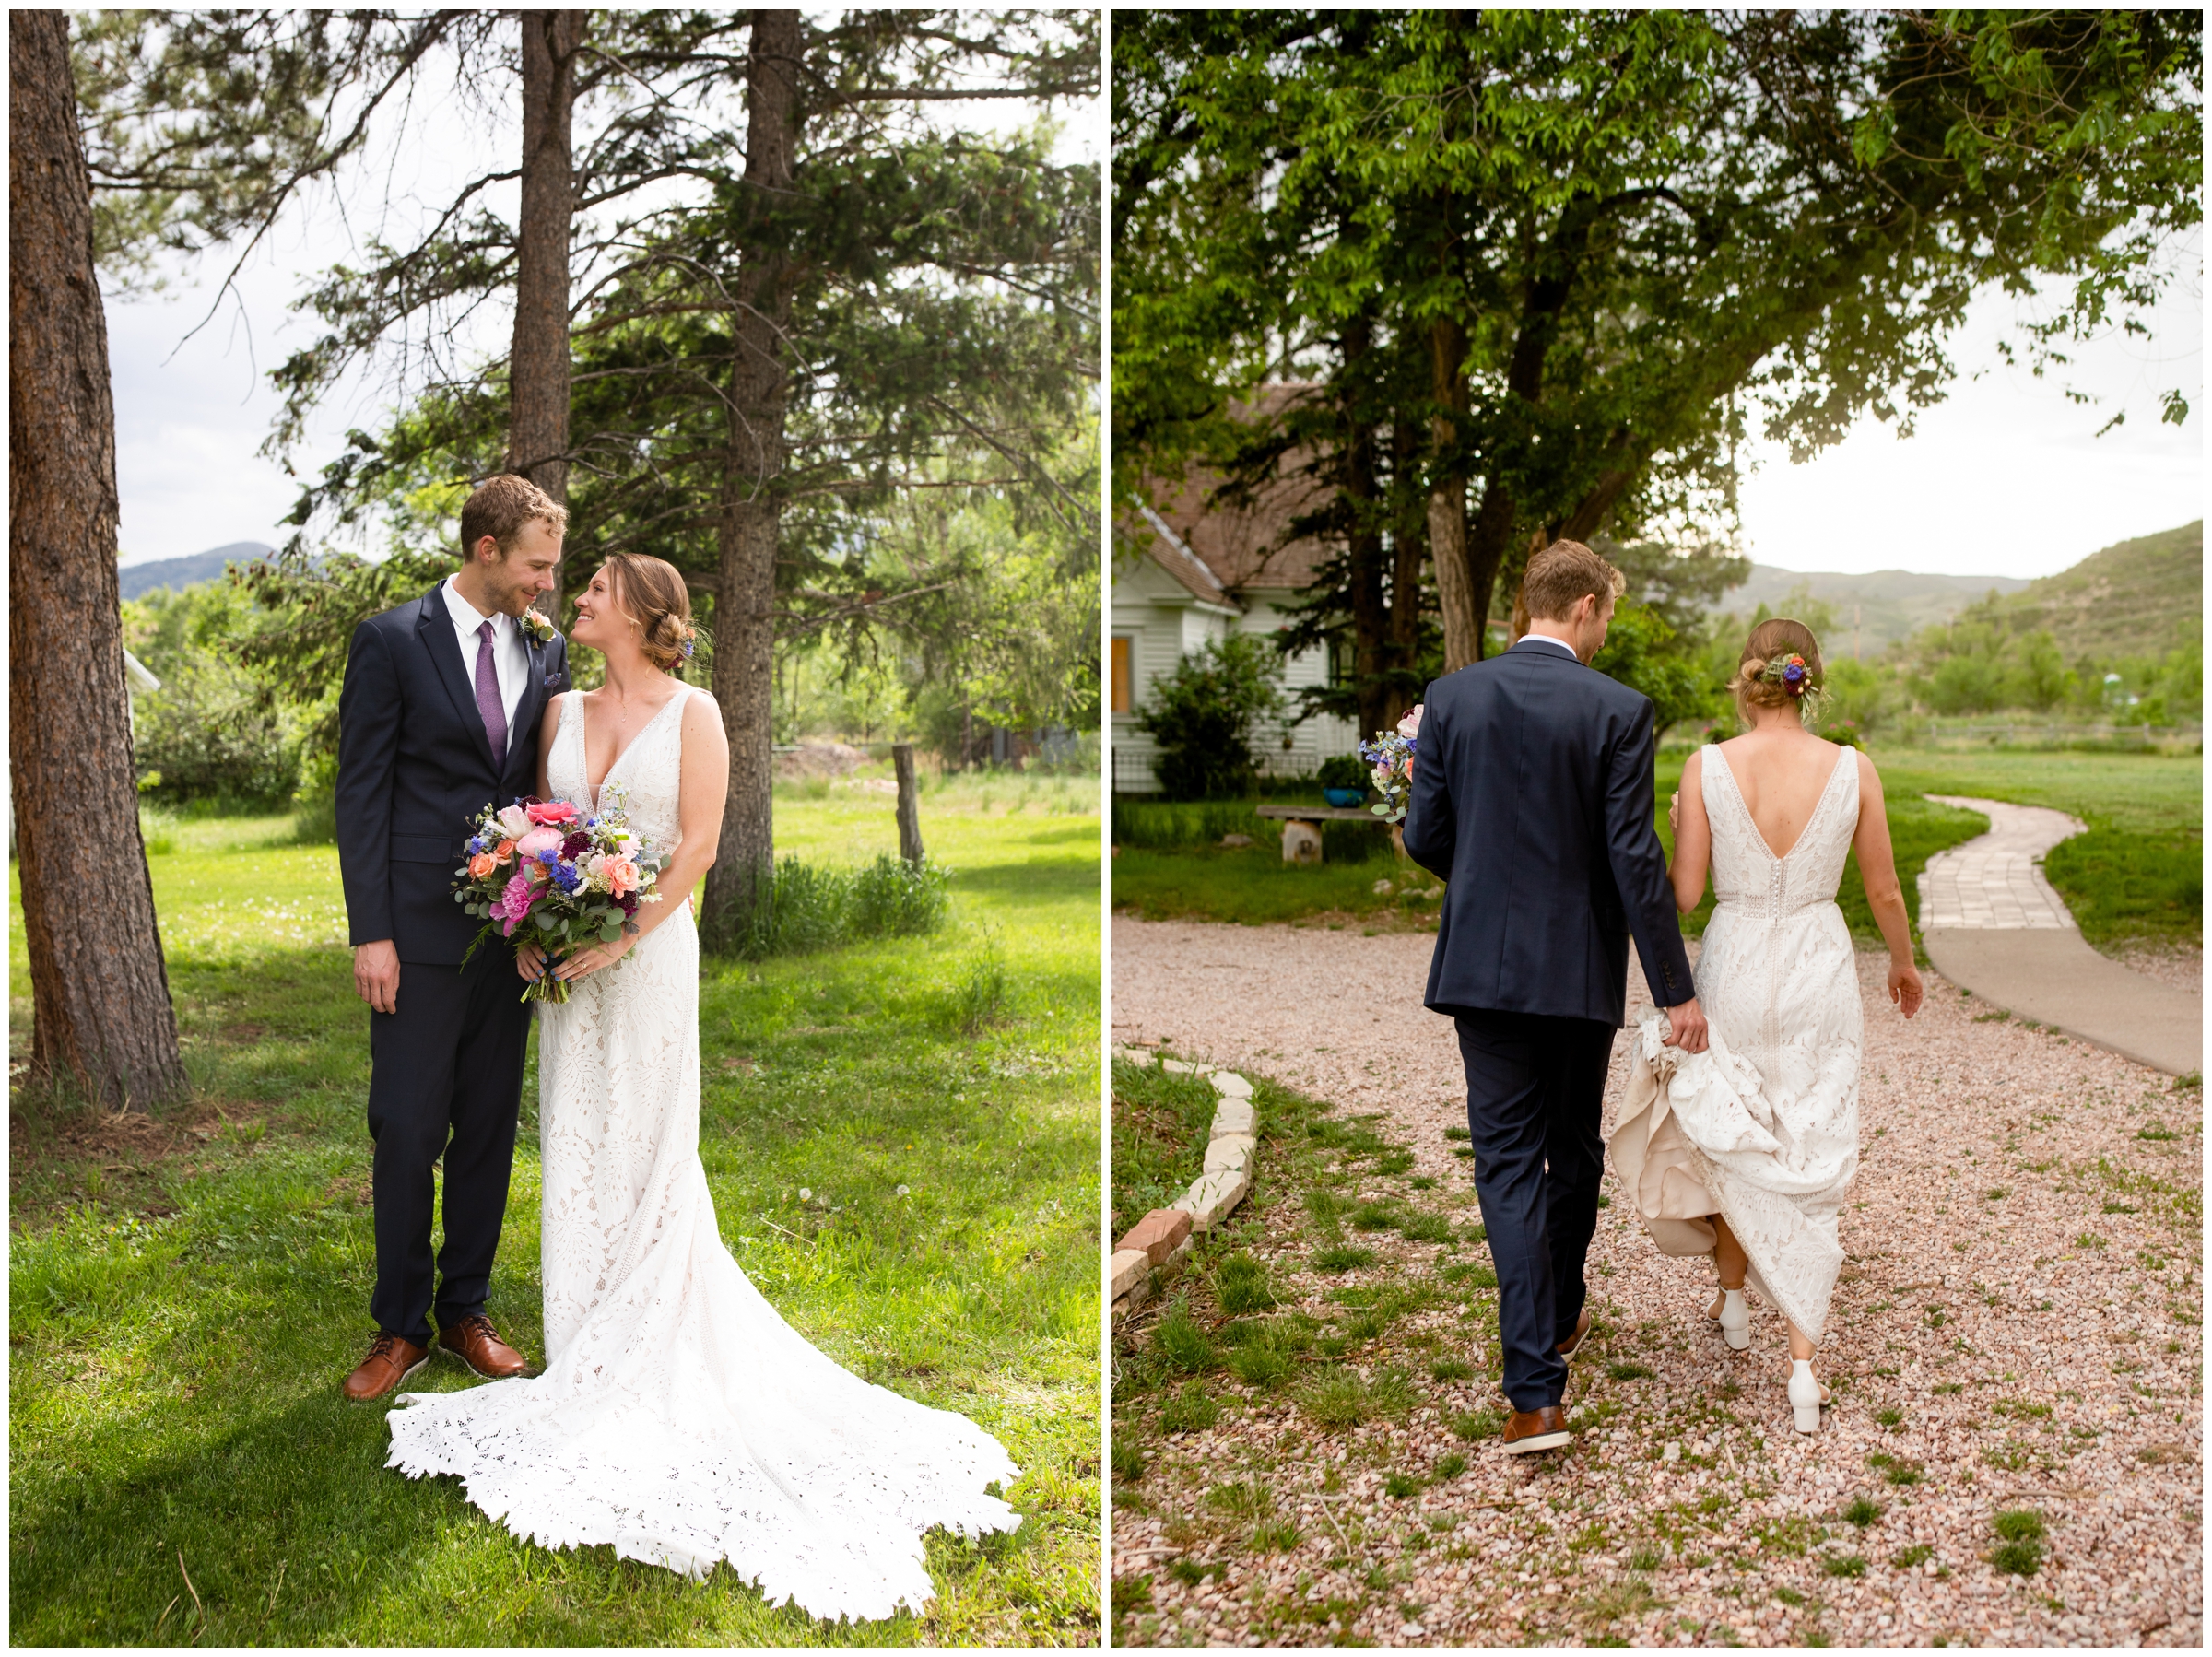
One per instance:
(1763, 1126)
(680, 1418)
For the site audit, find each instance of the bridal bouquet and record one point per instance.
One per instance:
(1391, 755)
(564, 880)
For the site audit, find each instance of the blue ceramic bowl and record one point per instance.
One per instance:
(1344, 797)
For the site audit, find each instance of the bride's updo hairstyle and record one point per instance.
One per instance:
(1763, 677)
(654, 599)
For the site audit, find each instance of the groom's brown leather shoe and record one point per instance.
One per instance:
(390, 1361)
(1568, 1347)
(1535, 1429)
(477, 1344)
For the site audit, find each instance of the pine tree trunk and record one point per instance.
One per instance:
(751, 504)
(100, 988)
(537, 430)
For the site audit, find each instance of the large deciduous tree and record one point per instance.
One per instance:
(1618, 233)
(100, 988)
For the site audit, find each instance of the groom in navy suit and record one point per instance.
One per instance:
(438, 717)
(1532, 800)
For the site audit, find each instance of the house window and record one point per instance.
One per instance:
(1123, 701)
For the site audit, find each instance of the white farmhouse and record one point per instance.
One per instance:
(1187, 570)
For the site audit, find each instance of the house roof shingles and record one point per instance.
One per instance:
(1241, 545)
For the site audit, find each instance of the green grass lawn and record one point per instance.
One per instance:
(2135, 875)
(188, 1290)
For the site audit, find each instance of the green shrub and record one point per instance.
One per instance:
(1478, 1424)
(2017, 1558)
(1342, 1257)
(807, 907)
(1202, 715)
(1844, 1564)
(1343, 770)
(1863, 1511)
(1451, 1466)
(894, 899)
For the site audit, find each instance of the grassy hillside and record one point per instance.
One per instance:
(1872, 611)
(2137, 598)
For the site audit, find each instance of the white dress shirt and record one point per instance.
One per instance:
(1547, 639)
(509, 656)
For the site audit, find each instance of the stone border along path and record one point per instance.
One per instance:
(1991, 923)
(1155, 1248)
(2018, 1328)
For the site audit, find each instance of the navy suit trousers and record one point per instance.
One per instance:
(445, 1082)
(1536, 1096)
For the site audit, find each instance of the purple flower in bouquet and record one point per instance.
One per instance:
(1391, 754)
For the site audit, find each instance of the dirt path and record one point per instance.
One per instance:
(2018, 1327)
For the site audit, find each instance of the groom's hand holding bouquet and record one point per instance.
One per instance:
(553, 883)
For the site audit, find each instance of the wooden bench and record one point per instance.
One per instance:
(1306, 847)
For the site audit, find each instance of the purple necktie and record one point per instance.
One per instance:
(488, 696)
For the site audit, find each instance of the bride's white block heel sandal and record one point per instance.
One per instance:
(1736, 1318)
(1807, 1395)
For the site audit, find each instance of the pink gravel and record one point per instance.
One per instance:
(2013, 1239)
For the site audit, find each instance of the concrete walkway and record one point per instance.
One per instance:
(1992, 924)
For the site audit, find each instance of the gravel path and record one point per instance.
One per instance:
(2023, 1290)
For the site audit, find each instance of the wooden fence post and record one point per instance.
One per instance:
(909, 805)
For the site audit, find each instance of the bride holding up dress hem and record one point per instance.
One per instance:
(1745, 1151)
(679, 1419)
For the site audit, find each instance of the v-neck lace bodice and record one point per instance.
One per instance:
(651, 769)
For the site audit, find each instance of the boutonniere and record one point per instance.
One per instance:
(537, 629)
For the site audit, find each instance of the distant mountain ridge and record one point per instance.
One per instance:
(1872, 611)
(138, 580)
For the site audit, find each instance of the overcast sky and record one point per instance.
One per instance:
(192, 414)
(2005, 477)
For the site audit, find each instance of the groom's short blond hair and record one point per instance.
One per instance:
(1561, 574)
(501, 506)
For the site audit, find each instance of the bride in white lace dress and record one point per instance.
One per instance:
(680, 1418)
(1745, 1151)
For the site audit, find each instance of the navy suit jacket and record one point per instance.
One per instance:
(1532, 800)
(415, 766)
